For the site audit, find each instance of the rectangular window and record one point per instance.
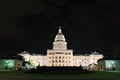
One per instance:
(59, 57)
(52, 61)
(59, 60)
(56, 57)
(52, 57)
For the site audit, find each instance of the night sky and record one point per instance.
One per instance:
(88, 25)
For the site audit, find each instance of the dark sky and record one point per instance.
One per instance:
(88, 25)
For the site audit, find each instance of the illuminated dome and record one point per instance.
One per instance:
(59, 36)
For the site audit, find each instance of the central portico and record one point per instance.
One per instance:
(59, 55)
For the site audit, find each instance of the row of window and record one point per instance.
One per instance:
(59, 53)
(60, 57)
(59, 61)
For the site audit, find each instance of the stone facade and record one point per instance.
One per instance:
(61, 56)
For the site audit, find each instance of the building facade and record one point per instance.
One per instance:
(108, 65)
(10, 64)
(61, 56)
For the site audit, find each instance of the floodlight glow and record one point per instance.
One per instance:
(7, 64)
(112, 62)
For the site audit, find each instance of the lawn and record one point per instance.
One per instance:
(90, 74)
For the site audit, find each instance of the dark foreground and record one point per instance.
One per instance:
(23, 78)
(42, 74)
(56, 70)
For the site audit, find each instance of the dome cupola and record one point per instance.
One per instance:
(59, 36)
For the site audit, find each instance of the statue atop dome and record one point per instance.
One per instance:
(60, 31)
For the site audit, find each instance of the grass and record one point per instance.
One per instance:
(90, 74)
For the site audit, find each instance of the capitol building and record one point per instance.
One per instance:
(61, 56)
